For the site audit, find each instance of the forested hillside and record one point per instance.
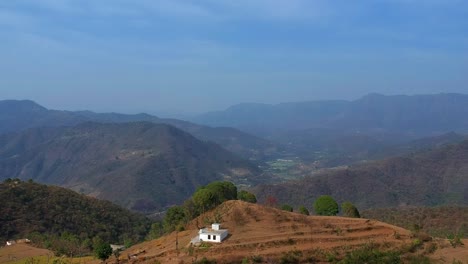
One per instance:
(54, 217)
(436, 177)
(142, 166)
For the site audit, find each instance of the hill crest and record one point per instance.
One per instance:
(140, 165)
(271, 233)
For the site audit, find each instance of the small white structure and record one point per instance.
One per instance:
(19, 241)
(117, 247)
(213, 234)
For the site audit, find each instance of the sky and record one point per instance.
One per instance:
(173, 57)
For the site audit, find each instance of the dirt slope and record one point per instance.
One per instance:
(270, 233)
(11, 254)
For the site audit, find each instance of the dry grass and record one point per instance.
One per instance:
(270, 234)
(27, 254)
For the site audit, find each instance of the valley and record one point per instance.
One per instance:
(152, 165)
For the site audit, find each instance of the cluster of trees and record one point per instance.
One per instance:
(203, 200)
(325, 205)
(64, 221)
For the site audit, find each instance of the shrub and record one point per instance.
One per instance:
(455, 240)
(349, 210)
(369, 255)
(246, 196)
(103, 251)
(204, 260)
(291, 257)
(287, 207)
(303, 210)
(326, 205)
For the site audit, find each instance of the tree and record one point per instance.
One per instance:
(246, 196)
(214, 194)
(156, 231)
(303, 210)
(103, 251)
(326, 205)
(349, 210)
(175, 216)
(287, 207)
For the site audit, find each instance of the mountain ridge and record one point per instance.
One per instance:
(17, 115)
(422, 115)
(428, 178)
(141, 165)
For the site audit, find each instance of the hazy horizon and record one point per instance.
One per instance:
(180, 57)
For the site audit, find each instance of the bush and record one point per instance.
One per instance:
(455, 241)
(291, 257)
(103, 251)
(303, 210)
(326, 205)
(287, 207)
(349, 210)
(369, 255)
(246, 196)
(204, 260)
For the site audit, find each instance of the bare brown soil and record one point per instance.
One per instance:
(448, 254)
(270, 233)
(22, 251)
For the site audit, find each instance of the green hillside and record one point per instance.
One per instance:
(53, 216)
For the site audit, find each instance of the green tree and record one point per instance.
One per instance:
(287, 207)
(326, 205)
(213, 194)
(103, 251)
(155, 231)
(246, 196)
(303, 210)
(349, 210)
(175, 217)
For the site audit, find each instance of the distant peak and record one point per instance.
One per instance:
(23, 105)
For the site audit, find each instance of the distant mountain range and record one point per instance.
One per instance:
(418, 115)
(139, 165)
(429, 178)
(18, 115)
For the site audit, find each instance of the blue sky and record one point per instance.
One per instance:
(186, 56)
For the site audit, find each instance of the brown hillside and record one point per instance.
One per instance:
(14, 253)
(431, 178)
(271, 233)
(141, 166)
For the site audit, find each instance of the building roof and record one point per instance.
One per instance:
(210, 231)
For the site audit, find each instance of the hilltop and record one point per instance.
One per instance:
(268, 235)
(142, 166)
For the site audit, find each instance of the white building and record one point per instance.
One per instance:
(213, 234)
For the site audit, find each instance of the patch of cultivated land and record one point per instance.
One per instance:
(11, 254)
(271, 233)
(28, 254)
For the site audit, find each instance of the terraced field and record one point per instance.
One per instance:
(269, 234)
